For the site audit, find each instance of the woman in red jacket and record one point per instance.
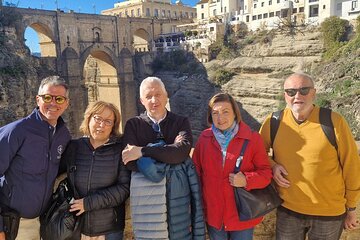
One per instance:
(215, 155)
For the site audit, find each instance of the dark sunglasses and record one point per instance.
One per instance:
(47, 98)
(156, 128)
(292, 91)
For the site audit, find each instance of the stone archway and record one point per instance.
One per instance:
(141, 41)
(46, 39)
(101, 78)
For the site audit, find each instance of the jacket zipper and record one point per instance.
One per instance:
(89, 180)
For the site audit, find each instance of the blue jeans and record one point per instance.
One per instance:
(291, 226)
(114, 236)
(215, 234)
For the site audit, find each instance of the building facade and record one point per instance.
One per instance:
(152, 9)
(267, 14)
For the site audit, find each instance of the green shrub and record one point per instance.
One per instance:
(358, 25)
(333, 30)
(223, 76)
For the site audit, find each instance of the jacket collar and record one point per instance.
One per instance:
(145, 117)
(37, 116)
(243, 132)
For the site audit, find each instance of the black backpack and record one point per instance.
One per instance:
(325, 121)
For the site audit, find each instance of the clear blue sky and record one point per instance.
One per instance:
(83, 6)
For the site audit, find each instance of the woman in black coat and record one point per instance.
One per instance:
(101, 178)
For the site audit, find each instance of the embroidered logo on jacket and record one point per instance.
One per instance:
(60, 150)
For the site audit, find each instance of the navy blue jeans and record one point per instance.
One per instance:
(114, 236)
(216, 234)
(291, 226)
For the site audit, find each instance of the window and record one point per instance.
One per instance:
(339, 7)
(148, 12)
(259, 16)
(192, 15)
(301, 9)
(202, 5)
(224, 9)
(163, 13)
(270, 2)
(138, 12)
(294, 10)
(324, 6)
(132, 13)
(271, 14)
(265, 15)
(186, 14)
(175, 14)
(277, 13)
(314, 10)
(247, 18)
(169, 13)
(254, 5)
(212, 29)
(262, 4)
(156, 12)
(202, 16)
(354, 5)
(214, 12)
(277, 1)
(284, 13)
(254, 17)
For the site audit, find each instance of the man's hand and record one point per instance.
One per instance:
(77, 205)
(351, 222)
(237, 180)
(2, 235)
(279, 172)
(131, 153)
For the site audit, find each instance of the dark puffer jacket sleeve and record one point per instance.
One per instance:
(111, 196)
(197, 212)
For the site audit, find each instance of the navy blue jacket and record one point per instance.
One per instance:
(30, 154)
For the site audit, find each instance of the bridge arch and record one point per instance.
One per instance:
(46, 38)
(100, 74)
(141, 40)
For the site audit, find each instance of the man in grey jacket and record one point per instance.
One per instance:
(31, 150)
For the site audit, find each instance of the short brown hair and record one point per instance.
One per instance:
(223, 97)
(98, 107)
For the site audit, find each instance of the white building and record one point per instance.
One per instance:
(266, 14)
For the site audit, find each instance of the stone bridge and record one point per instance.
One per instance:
(94, 53)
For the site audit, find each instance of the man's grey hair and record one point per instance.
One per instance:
(301, 75)
(150, 80)
(53, 81)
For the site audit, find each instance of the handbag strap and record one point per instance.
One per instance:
(70, 164)
(240, 158)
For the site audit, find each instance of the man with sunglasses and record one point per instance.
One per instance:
(31, 150)
(319, 184)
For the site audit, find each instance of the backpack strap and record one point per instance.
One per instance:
(274, 125)
(240, 158)
(327, 126)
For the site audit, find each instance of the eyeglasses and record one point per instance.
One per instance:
(156, 128)
(292, 91)
(100, 120)
(47, 98)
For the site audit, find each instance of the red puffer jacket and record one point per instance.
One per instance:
(218, 194)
